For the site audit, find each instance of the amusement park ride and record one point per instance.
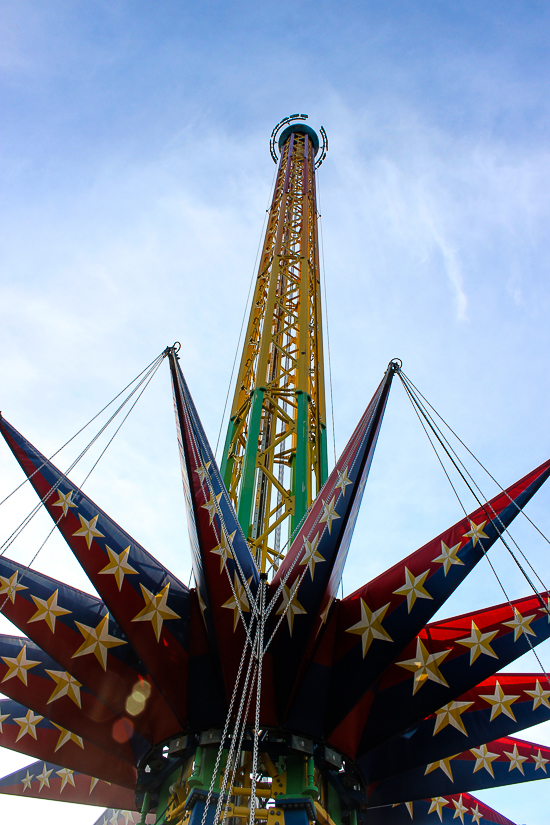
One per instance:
(258, 695)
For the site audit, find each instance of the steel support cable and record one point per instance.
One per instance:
(244, 313)
(80, 430)
(9, 541)
(476, 485)
(151, 375)
(485, 470)
(485, 553)
(326, 322)
(482, 504)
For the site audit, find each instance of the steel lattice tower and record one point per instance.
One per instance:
(275, 455)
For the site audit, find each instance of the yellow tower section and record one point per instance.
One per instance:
(275, 454)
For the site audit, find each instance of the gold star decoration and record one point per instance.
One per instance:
(156, 610)
(484, 759)
(212, 506)
(329, 513)
(93, 783)
(27, 724)
(114, 818)
(478, 643)
(311, 554)
(476, 814)
(88, 530)
(65, 685)
(343, 481)
(3, 717)
(443, 765)
(451, 714)
(64, 501)
(97, 641)
(448, 556)
(516, 760)
(238, 600)
(67, 736)
(521, 624)
(202, 472)
(370, 626)
(539, 696)
(44, 777)
(18, 666)
(476, 532)
(460, 809)
(10, 586)
(223, 549)
(540, 761)
(290, 604)
(66, 777)
(500, 703)
(408, 806)
(437, 804)
(546, 610)
(47, 610)
(425, 666)
(201, 602)
(413, 588)
(118, 565)
(27, 781)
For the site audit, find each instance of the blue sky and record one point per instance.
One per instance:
(135, 178)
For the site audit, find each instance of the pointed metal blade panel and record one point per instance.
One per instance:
(304, 587)
(381, 618)
(148, 602)
(59, 619)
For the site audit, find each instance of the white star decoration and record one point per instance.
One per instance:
(448, 556)
(10, 586)
(413, 588)
(329, 513)
(18, 666)
(478, 643)
(66, 777)
(460, 809)
(118, 565)
(539, 696)
(224, 548)
(28, 724)
(156, 610)
(370, 626)
(48, 610)
(290, 604)
(88, 530)
(425, 666)
(476, 814)
(476, 532)
(238, 600)
(44, 777)
(484, 759)
(500, 703)
(27, 780)
(540, 761)
(516, 760)
(311, 555)
(97, 641)
(343, 481)
(520, 624)
(437, 805)
(64, 501)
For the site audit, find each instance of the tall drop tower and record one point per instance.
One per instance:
(275, 455)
